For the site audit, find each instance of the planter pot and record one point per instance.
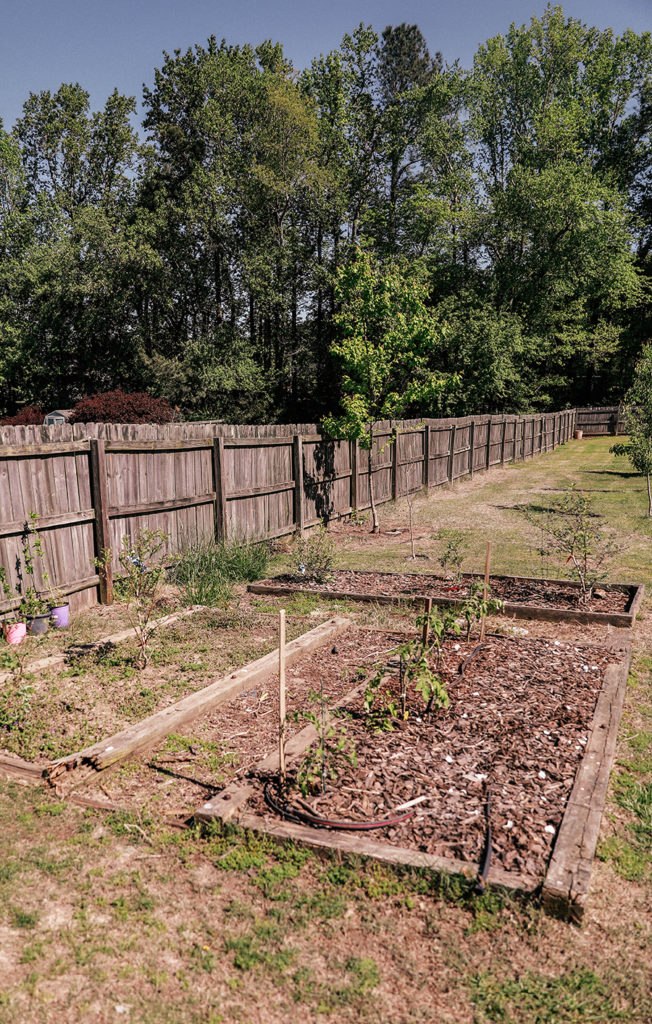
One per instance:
(37, 625)
(16, 633)
(60, 616)
(578, 435)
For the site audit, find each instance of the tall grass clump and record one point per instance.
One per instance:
(207, 571)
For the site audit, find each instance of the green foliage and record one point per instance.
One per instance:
(217, 262)
(314, 554)
(577, 536)
(333, 751)
(140, 583)
(207, 571)
(575, 996)
(638, 420)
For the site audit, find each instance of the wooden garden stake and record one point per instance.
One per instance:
(485, 587)
(281, 689)
(426, 625)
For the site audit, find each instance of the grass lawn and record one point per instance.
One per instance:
(119, 917)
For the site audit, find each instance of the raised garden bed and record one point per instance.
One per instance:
(524, 597)
(195, 760)
(534, 720)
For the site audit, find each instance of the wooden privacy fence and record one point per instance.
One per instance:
(93, 484)
(599, 421)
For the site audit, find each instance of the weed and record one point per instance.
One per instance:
(23, 918)
(207, 571)
(572, 998)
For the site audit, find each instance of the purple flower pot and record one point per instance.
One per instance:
(60, 616)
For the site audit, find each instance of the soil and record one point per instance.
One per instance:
(542, 593)
(187, 769)
(516, 727)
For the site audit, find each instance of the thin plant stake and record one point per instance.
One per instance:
(485, 587)
(426, 624)
(281, 695)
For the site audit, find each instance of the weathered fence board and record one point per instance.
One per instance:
(93, 484)
(595, 422)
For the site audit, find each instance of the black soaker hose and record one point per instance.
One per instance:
(303, 818)
(486, 856)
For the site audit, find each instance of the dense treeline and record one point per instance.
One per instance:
(200, 261)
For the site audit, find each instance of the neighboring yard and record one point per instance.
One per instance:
(119, 916)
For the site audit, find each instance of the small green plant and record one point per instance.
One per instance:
(31, 602)
(452, 553)
(315, 554)
(479, 604)
(333, 751)
(140, 584)
(577, 536)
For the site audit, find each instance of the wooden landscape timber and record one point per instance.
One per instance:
(512, 609)
(566, 884)
(67, 771)
(17, 770)
(57, 660)
(93, 484)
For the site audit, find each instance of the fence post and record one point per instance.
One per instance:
(472, 446)
(554, 430)
(514, 441)
(540, 435)
(395, 465)
(451, 455)
(354, 448)
(489, 424)
(502, 442)
(101, 506)
(297, 468)
(219, 486)
(426, 457)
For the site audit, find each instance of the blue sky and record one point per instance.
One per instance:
(107, 43)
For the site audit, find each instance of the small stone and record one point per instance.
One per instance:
(542, 775)
(550, 829)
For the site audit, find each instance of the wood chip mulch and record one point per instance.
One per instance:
(518, 722)
(542, 593)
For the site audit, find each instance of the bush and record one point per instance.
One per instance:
(30, 416)
(121, 407)
(315, 554)
(207, 571)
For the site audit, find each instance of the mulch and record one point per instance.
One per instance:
(517, 724)
(542, 593)
(244, 730)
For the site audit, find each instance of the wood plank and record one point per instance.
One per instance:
(219, 482)
(253, 492)
(355, 460)
(383, 853)
(21, 451)
(142, 735)
(162, 445)
(151, 507)
(566, 885)
(17, 770)
(17, 527)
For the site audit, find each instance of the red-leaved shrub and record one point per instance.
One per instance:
(30, 416)
(122, 407)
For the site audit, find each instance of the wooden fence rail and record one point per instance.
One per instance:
(93, 484)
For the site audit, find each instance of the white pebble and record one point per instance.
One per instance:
(456, 647)
(550, 829)
(509, 824)
(448, 758)
(542, 775)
